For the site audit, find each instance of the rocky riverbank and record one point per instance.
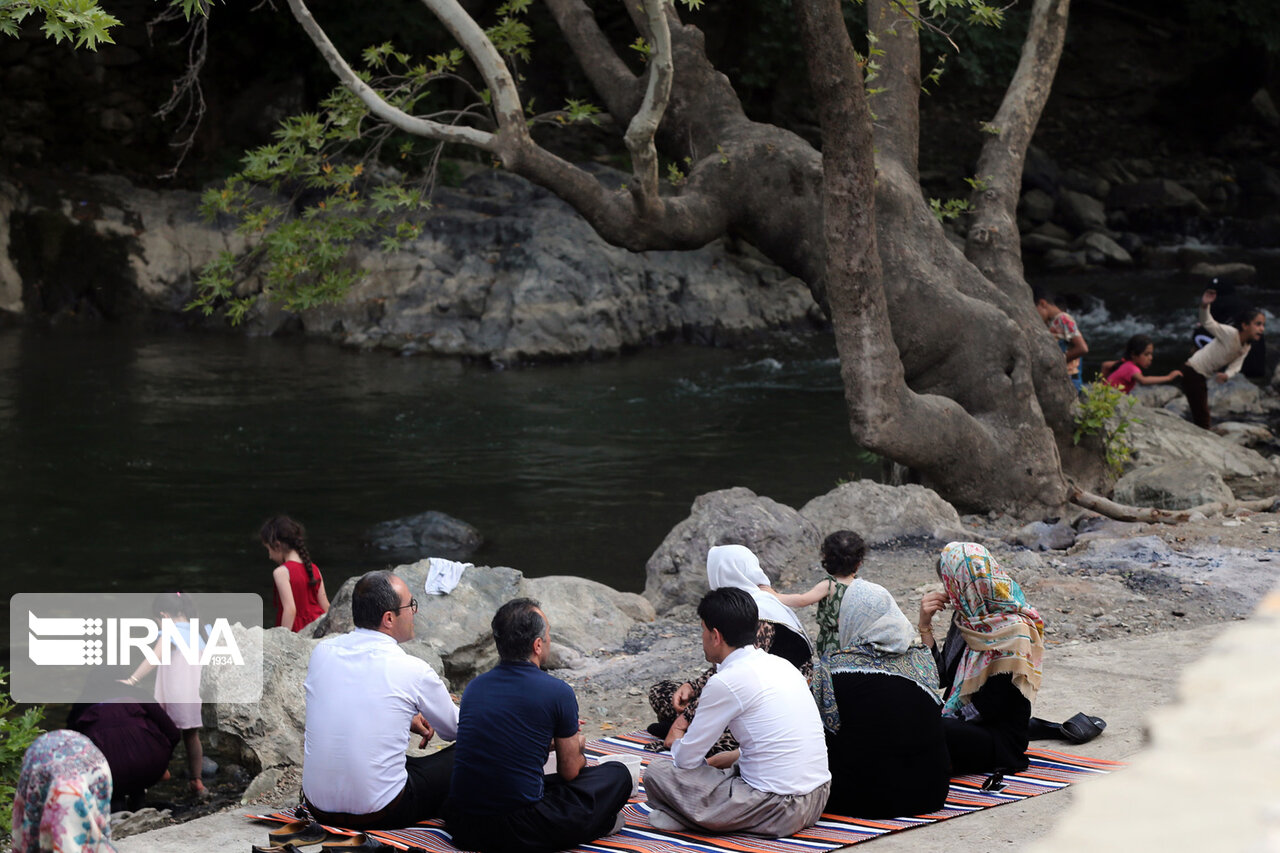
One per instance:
(1093, 579)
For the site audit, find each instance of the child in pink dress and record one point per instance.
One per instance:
(178, 683)
(1126, 373)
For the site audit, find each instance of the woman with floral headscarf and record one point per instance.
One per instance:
(878, 696)
(989, 663)
(63, 800)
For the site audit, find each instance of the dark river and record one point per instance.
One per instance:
(146, 461)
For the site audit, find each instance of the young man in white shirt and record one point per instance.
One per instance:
(365, 695)
(777, 782)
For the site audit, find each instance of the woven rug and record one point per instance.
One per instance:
(1049, 771)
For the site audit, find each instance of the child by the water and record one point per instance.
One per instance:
(1127, 372)
(842, 555)
(178, 682)
(300, 595)
(1064, 330)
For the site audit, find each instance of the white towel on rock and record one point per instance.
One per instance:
(444, 575)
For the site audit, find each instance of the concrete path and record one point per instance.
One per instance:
(1122, 681)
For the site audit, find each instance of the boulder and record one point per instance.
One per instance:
(1082, 182)
(1058, 259)
(1155, 194)
(1155, 396)
(503, 270)
(881, 514)
(1036, 205)
(587, 616)
(1039, 171)
(1101, 249)
(1174, 485)
(785, 541)
(1205, 274)
(1081, 212)
(428, 534)
(1041, 243)
(10, 282)
(1052, 229)
(1160, 436)
(1245, 434)
(1236, 395)
(266, 733)
(1045, 536)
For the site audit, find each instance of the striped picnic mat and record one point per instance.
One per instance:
(1049, 771)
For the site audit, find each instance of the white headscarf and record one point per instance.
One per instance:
(735, 566)
(869, 617)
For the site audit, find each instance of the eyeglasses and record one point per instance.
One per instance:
(412, 605)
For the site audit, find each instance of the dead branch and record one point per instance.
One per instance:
(1122, 512)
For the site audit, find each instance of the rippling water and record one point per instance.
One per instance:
(142, 461)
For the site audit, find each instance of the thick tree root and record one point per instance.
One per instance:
(1121, 512)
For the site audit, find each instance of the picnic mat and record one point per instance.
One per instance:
(1049, 771)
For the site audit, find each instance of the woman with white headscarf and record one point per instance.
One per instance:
(779, 632)
(880, 705)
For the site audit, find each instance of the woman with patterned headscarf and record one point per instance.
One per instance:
(989, 664)
(63, 799)
(878, 696)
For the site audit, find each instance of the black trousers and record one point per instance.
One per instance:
(1197, 390)
(423, 796)
(569, 814)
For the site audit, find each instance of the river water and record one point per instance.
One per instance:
(137, 461)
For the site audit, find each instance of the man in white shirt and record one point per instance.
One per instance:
(365, 695)
(779, 783)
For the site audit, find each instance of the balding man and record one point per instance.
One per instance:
(365, 695)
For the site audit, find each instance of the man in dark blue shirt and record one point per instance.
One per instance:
(500, 801)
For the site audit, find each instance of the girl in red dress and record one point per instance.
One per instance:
(299, 588)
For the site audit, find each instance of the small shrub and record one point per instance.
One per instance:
(1106, 411)
(16, 734)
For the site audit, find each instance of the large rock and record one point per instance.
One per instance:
(587, 616)
(1101, 249)
(266, 733)
(1036, 205)
(1162, 436)
(1155, 396)
(1236, 395)
(881, 514)
(427, 534)
(503, 270)
(1081, 212)
(1174, 485)
(785, 541)
(1205, 274)
(1157, 194)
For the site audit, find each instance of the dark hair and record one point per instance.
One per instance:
(733, 613)
(283, 530)
(373, 596)
(1135, 347)
(515, 626)
(175, 604)
(1247, 316)
(842, 553)
(1038, 293)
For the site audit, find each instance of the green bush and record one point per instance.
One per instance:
(1106, 411)
(17, 731)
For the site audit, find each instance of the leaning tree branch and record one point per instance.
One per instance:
(609, 75)
(375, 102)
(994, 244)
(644, 125)
(1123, 512)
(472, 38)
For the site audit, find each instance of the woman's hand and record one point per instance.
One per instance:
(1209, 295)
(932, 603)
(1221, 377)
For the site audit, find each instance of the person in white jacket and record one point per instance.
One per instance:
(1221, 358)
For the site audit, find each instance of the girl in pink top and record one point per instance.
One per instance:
(1127, 372)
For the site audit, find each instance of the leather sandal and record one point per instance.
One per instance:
(300, 833)
(1082, 728)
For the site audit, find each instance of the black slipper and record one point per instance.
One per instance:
(1082, 728)
(300, 832)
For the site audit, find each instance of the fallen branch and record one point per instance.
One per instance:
(1122, 512)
